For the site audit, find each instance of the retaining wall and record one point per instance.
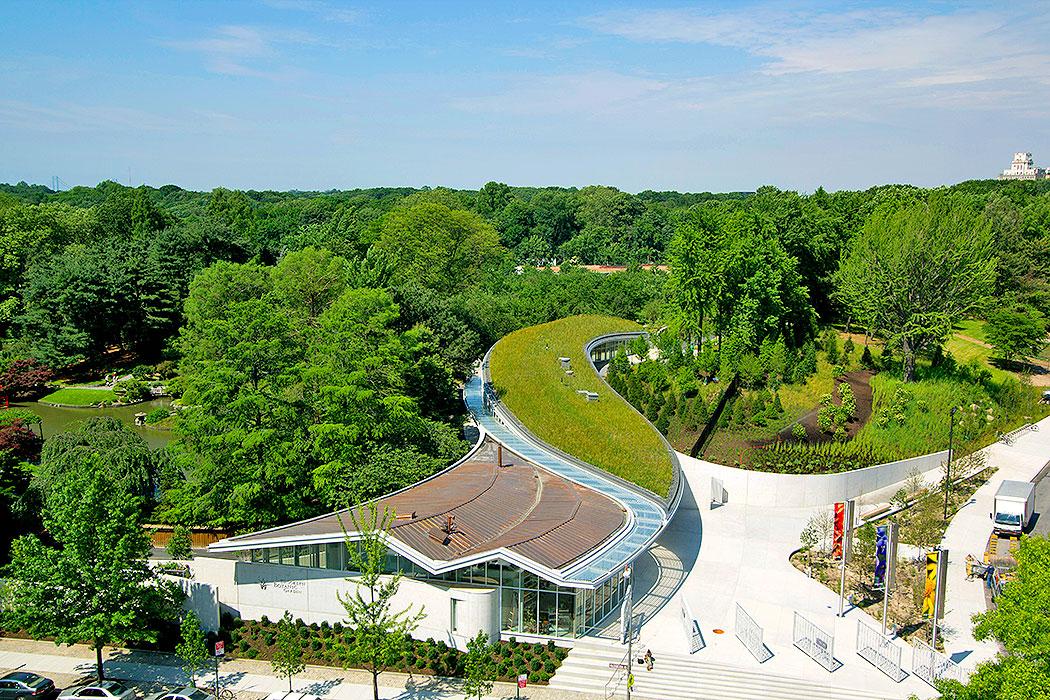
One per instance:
(869, 485)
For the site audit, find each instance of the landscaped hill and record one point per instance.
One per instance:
(607, 433)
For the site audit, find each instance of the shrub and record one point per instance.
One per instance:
(866, 359)
(827, 458)
(180, 546)
(157, 415)
(252, 653)
(131, 390)
(798, 431)
(849, 401)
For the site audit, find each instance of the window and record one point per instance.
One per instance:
(454, 616)
(288, 556)
(92, 693)
(334, 555)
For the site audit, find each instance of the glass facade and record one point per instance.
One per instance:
(529, 604)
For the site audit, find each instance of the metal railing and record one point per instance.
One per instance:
(931, 665)
(879, 651)
(814, 642)
(749, 632)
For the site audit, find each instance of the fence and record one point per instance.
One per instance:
(749, 633)
(931, 665)
(879, 651)
(692, 627)
(815, 643)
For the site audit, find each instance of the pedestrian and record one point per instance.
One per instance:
(649, 660)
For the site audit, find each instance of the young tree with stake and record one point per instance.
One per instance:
(379, 633)
(192, 648)
(288, 655)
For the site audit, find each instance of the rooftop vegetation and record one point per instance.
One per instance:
(606, 433)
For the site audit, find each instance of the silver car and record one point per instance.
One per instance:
(103, 690)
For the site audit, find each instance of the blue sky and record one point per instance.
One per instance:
(317, 94)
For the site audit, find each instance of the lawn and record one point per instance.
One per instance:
(975, 328)
(607, 433)
(79, 396)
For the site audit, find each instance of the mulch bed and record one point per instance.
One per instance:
(860, 381)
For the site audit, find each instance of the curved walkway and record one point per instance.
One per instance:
(645, 518)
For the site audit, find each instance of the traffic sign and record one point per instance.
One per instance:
(220, 648)
(523, 680)
(617, 667)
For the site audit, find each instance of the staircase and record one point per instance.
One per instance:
(586, 669)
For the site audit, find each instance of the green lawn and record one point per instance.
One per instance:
(79, 396)
(606, 433)
(972, 327)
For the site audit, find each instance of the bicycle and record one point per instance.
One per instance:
(226, 694)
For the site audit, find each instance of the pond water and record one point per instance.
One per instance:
(57, 419)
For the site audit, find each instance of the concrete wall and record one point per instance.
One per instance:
(251, 590)
(870, 485)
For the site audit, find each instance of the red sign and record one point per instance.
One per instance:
(220, 648)
(840, 530)
(523, 680)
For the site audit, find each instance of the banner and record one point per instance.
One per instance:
(840, 530)
(929, 594)
(881, 540)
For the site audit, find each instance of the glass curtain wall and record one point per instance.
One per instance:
(529, 604)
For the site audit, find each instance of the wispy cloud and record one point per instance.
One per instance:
(326, 11)
(245, 50)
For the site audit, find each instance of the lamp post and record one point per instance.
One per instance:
(948, 474)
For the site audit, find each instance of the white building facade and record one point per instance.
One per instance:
(1023, 168)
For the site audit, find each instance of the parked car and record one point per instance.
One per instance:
(106, 690)
(23, 684)
(187, 693)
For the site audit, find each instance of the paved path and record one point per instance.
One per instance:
(968, 534)
(249, 679)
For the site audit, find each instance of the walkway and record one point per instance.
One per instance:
(645, 517)
(968, 534)
(249, 679)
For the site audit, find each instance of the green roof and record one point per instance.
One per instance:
(608, 433)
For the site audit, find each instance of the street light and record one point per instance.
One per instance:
(948, 475)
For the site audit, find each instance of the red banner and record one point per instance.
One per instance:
(840, 530)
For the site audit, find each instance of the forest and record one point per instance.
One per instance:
(314, 341)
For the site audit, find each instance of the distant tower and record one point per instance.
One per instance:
(1023, 168)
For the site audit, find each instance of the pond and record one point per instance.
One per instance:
(57, 419)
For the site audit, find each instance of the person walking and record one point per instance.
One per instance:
(649, 660)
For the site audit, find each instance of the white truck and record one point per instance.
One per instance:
(1013, 507)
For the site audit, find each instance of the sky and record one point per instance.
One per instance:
(702, 96)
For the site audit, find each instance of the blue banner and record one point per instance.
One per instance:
(881, 537)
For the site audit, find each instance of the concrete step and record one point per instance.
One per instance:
(586, 669)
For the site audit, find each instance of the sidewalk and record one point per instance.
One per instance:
(152, 672)
(968, 534)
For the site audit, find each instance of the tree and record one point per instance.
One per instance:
(379, 634)
(192, 648)
(180, 544)
(1020, 624)
(1017, 332)
(287, 658)
(92, 580)
(916, 270)
(478, 667)
(696, 260)
(441, 248)
(22, 377)
(106, 442)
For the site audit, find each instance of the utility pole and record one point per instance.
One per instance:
(948, 471)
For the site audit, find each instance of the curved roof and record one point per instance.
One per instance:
(514, 508)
